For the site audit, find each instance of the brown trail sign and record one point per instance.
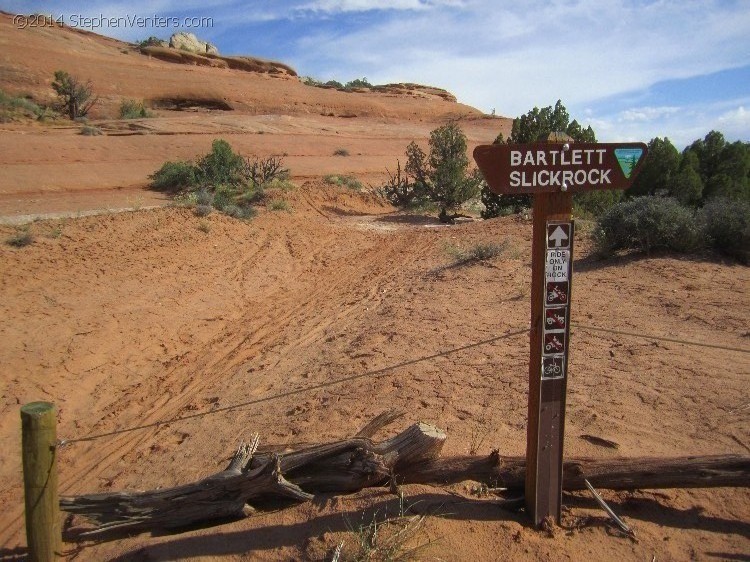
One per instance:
(549, 168)
(552, 172)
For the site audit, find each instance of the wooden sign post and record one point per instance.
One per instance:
(552, 171)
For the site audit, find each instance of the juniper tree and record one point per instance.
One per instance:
(75, 98)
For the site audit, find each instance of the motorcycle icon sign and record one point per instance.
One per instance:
(554, 343)
(557, 293)
(555, 319)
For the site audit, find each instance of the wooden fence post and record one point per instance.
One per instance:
(39, 436)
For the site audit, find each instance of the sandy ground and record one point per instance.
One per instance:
(124, 319)
(53, 168)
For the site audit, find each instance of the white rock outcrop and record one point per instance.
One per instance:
(189, 42)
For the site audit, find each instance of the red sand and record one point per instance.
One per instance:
(129, 318)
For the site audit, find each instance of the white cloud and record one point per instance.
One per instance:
(735, 123)
(361, 5)
(344, 6)
(682, 125)
(646, 114)
(514, 55)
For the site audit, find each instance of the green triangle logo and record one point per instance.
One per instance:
(628, 159)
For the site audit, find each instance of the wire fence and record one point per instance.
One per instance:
(383, 371)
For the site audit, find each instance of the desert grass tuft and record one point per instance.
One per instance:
(394, 539)
(279, 205)
(203, 210)
(21, 238)
(477, 253)
(349, 182)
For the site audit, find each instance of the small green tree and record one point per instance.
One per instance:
(75, 98)
(443, 175)
(708, 150)
(358, 83)
(730, 178)
(662, 162)
(686, 185)
(531, 127)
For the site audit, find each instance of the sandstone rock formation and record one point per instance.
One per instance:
(189, 42)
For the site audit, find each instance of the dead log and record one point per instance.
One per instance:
(344, 466)
(614, 474)
(347, 466)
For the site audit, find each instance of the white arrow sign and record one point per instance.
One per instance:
(557, 237)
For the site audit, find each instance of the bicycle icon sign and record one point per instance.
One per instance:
(553, 367)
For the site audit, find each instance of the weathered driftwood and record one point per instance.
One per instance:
(346, 466)
(614, 474)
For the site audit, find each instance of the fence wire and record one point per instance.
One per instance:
(372, 374)
(383, 371)
(658, 338)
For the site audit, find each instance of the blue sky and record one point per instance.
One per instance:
(632, 69)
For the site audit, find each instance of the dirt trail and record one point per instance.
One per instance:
(129, 319)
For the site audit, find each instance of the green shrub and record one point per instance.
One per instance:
(648, 223)
(12, 106)
(358, 83)
(727, 226)
(132, 109)
(152, 41)
(343, 180)
(223, 180)
(174, 177)
(281, 184)
(238, 211)
(261, 172)
(400, 192)
(20, 239)
(24, 104)
(501, 205)
(46, 114)
(591, 204)
(204, 197)
(478, 252)
(222, 199)
(253, 194)
(222, 165)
